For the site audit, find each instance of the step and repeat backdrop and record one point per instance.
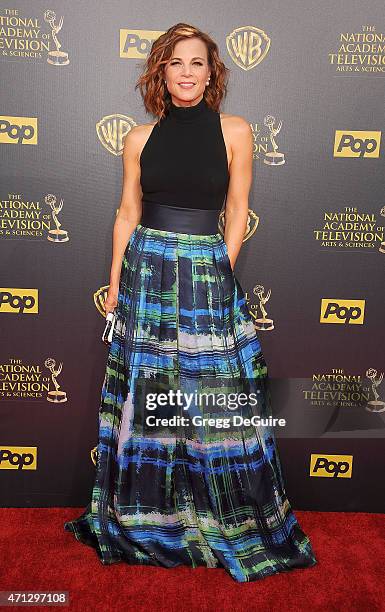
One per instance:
(309, 78)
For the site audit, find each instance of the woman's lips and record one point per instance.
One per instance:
(186, 85)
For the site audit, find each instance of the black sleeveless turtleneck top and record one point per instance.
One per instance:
(184, 161)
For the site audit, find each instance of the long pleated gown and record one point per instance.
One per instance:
(192, 493)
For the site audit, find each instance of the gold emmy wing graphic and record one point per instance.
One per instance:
(55, 396)
(375, 405)
(247, 46)
(273, 158)
(382, 245)
(262, 323)
(112, 130)
(57, 57)
(55, 235)
(100, 297)
(251, 226)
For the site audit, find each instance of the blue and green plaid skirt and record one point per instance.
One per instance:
(192, 490)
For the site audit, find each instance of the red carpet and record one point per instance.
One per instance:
(37, 554)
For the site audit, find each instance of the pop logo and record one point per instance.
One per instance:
(358, 143)
(342, 311)
(331, 466)
(136, 44)
(18, 457)
(18, 130)
(19, 300)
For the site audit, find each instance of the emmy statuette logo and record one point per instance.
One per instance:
(57, 57)
(262, 323)
(55, 235)
(375, 405)
(55, 395)
(273, 158)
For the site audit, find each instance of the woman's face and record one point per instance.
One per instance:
(187, 72)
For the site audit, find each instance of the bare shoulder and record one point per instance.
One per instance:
(237, 135)
(136, 139)
(236, 125)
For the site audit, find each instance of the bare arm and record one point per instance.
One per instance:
(237, 202)
(130, 210)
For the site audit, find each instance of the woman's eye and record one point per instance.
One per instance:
(174, 63)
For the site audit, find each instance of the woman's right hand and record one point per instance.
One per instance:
(112, 299)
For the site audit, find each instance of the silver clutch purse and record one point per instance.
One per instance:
(109, 328)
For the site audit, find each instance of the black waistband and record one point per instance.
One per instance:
(179, 219)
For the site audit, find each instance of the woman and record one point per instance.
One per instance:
(192, 488)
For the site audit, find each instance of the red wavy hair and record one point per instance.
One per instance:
(155, 94)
